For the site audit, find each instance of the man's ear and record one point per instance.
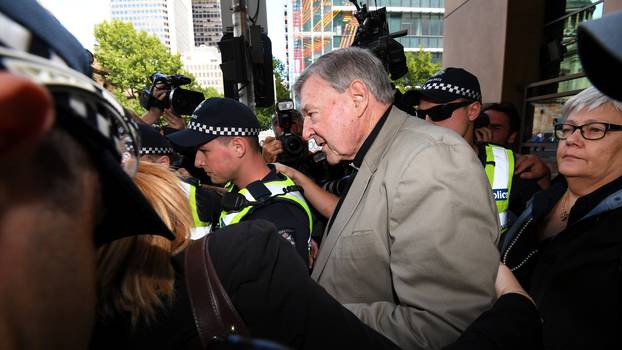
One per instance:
(239, 146)
(27, 113)
(473, 110)
(164, 160)
(359, 93)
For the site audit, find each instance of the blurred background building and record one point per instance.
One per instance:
(204, 63)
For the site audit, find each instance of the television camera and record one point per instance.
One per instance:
(373, 34)
(181, 101)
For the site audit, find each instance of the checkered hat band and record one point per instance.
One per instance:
(453, 89)
(155, 150)
(222, 130)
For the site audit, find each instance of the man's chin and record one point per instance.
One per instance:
(218, 180)
(215, 179)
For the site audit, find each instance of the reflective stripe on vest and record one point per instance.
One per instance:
(277, 189)
(499, 170)
(201, 228)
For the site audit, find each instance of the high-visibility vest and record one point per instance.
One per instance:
(201, 228)
(499, 170)
(279, 190)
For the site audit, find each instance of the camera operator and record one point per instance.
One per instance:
(286, 146)
(165, 98)
(153, 114)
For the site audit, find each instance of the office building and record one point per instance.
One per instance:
(204, 63)
(207, 22)
(169, 20)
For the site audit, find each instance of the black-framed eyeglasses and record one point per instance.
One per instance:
(441, 112)
(589, 131)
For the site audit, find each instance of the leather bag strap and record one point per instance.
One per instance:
(214, 314)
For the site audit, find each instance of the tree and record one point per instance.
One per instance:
(264, 115)
(129, 57)
(420, 69)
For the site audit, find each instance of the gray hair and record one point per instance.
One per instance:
(588, 99)
(341, 67)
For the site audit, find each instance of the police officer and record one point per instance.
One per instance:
(452, 98)
(204, 202)
(225, 133)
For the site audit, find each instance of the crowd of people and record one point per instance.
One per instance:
(425, 231)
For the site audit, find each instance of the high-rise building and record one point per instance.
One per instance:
(207, 22)
(204, 63)
(315, 27)
(169, 20)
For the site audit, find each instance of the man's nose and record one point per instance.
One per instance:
(307, 130)
(199, 162)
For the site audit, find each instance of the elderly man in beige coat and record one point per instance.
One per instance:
(410, 249)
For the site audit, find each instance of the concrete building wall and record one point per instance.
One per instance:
(613, 6)
(475, 39)
(523, 39)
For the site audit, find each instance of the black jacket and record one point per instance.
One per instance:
(575, 277)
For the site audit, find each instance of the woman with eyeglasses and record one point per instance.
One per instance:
(566, 247)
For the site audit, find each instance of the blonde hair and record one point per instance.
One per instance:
(134, 274)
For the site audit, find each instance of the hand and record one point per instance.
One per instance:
(483, 135)
(507, 283)
(313, 253)
(284, 169)
(159, 91)
(183, 172)
(173, 120)
(271, 149)
(530, 166)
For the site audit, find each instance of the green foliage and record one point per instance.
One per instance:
(420, 69)
(280, 74)
(129, 57)
(264, 115)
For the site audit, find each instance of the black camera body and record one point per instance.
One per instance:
(181, 101)
(373, 34)
(294, 147)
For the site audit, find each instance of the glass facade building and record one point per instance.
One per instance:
(315, 27)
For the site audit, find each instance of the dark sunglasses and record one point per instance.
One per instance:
(441, 112)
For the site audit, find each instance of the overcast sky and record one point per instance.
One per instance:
(81, 16)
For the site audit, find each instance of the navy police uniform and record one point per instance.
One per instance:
(275, 198)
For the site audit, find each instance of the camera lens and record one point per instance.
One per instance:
(294, 145)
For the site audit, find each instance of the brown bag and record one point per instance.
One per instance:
(214, 315)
